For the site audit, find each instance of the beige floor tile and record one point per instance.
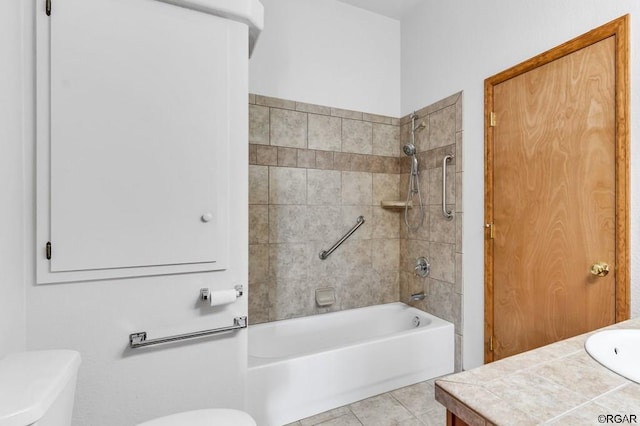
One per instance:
(381, 410)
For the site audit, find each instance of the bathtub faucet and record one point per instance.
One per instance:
(417, 296)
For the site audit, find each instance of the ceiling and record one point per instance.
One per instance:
(392, 8)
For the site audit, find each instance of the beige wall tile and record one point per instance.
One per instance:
(287, 185)
(266, 155)
(357, 136)
(288, 128)
(258, 263)
(351, 162)
(459, 165)
(325, 133)
(252, 98)
(315, 109)
(258, 224)
(360, 290)
(288, 261)
(386, 187)
(444, 302)
(258, 124)
(374, 118)
(355, 252)
(443, 262)
(258, 185)
(287, 157)
(357, 188)
(258, 302)
(287, 224)
(324, 187)
(441, 230)
(290, 299)
(385, 223)
(324, 160)
(323, 224)
(275, 102)
(459, 286)
(458, 106)
(253, 154)
(442, 127)
(345, 113)
(379, 164)
(386, 140)
(458, 206)
(385, 254)
(323, 190)
(307, 158)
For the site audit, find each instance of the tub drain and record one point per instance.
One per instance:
(416, 321)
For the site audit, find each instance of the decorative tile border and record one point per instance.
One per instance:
(266, 155)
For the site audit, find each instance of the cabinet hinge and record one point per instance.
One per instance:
(48, 250)
(491, 343)
(490, 226)
(492, 119)
(47, 7)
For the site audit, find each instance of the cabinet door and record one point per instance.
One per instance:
(139, 113)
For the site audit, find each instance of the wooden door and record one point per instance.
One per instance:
(556, 196)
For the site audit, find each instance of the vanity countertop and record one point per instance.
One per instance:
(555, 384)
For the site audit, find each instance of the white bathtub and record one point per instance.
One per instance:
(304, 366)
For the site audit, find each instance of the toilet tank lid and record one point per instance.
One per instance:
(31, 381)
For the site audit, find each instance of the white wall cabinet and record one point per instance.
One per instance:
(137, 114)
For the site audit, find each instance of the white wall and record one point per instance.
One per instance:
(328, 53)
(463, 42)
(12, 303)
(118, 386)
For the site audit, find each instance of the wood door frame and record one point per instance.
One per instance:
(619, 29)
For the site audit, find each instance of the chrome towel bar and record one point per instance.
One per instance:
(325, 253)
(139, 340)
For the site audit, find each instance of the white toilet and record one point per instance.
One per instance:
(37, 388)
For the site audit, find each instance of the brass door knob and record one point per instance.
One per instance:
(600, 269)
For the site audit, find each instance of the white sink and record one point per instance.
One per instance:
(618, 350)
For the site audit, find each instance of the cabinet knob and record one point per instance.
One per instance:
(206, 217)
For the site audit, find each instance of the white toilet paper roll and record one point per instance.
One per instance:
(222, 297)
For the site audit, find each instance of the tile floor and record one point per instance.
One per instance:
(413, 405)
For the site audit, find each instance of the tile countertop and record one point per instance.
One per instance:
(555, 384)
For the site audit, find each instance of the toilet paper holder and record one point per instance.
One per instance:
(205, 293)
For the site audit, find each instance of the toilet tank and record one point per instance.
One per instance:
(37, 387)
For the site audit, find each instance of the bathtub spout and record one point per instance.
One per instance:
(417, 296)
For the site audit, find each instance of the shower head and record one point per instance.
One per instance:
(409, 149)
(420, 126)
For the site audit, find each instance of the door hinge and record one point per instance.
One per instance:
(490, 226)
(47, 7)
(492, 119)
(48, 250)
(491, 343)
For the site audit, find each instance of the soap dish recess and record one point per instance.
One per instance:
(325, 296)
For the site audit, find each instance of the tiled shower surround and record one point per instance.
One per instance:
(313, 170)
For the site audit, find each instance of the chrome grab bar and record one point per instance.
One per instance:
(139, 340)
(447, 213)
(325, 253)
